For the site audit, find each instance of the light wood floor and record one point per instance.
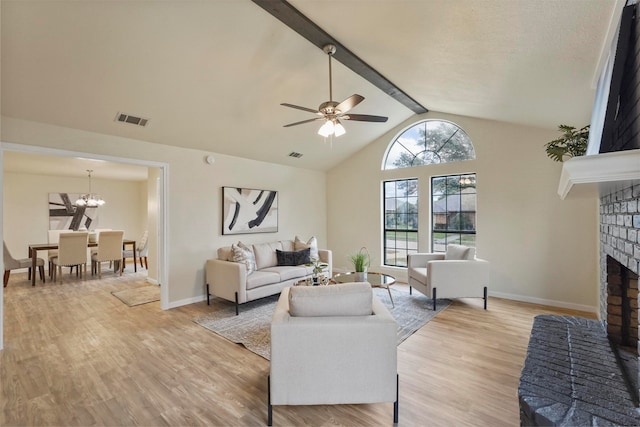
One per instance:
(76, 355)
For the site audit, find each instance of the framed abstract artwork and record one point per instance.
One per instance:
(64, 215)
(248, 211)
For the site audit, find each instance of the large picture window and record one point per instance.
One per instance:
(453, 210)
(400, 221)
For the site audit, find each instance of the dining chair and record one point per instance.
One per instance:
(109, 249)
(53, 236)
(142, 249)
(10, 263)
(72, 251)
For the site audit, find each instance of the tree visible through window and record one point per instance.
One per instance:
(429, 142)
(453, 211)
(400, 221)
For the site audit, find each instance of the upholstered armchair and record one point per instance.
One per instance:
(331, 345)
(454, 274)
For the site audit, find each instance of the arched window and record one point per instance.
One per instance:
(429, 142)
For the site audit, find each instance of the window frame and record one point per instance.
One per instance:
(415, 154)
(410, 245)
(459, 231)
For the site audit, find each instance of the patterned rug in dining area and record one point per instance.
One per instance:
(251, 327)
(140, 295)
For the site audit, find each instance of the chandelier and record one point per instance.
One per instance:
(90, 199)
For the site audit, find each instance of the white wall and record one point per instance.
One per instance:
(26, 206)
(194, 196)
(542, 249)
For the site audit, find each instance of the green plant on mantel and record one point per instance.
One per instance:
(572, 143)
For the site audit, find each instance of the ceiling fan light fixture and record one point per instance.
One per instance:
(332, 111)
(327, 129)
(338, 129)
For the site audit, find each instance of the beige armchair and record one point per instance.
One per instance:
(11, 263)
(109, 249)
(72, 251)
(454, 274)
(332, 345)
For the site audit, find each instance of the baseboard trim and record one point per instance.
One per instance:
(542, 301)
(152, 281)
(187, 301)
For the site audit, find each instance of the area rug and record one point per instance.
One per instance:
(138, 296)
(251, 327)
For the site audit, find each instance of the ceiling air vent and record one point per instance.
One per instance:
(295, 154)
(128, 118)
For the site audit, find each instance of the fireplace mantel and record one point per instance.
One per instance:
(620, 168)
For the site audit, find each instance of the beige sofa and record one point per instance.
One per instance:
(332, 345)
(231, 281)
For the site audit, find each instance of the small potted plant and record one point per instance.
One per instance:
(572, 143)
(361, 260)
(318, 266)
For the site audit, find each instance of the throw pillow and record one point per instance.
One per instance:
(458, 252)
(345, 299)
(311, 244)
(287, 258)
(244, 255)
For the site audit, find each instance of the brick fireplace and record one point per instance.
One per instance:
(620, 264)
(581, 371)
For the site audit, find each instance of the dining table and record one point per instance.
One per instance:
(35, 247)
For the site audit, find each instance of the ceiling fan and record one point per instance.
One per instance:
(332, 112)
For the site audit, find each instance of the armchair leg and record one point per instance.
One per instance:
(269, 407)
(410, 290)
(395, 404)
(208, 294)
(236, 303)
(434, 298)
(485, 297)
(6, 277)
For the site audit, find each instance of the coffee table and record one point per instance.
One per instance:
(377, 280)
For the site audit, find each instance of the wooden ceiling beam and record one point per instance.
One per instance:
(298, 22)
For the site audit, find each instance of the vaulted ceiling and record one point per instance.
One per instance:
(211, 74)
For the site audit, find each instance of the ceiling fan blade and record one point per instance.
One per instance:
(304, 121)
(365, 118)
(297, 107)
(349, 103)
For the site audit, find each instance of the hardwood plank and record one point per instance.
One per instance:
(76, 355)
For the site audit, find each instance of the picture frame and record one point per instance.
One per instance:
(249, 211)
(65, 215)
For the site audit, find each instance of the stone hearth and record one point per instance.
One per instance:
(571, 377)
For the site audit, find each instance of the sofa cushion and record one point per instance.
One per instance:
(244, 255)
(287, 245)
(312, 244)
(225, 253)
(262, 278)
(345, 299)
(293, 258)
(288, 272)
(458, 252)
(266, 254)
